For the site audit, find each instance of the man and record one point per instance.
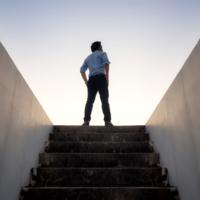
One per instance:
(98, 64)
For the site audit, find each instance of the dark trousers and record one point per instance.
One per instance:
(96, 84)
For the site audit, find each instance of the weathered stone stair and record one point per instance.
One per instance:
(99, 163)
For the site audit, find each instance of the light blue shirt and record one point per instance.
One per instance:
(95, 62)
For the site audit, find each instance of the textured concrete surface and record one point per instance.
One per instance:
(109, 171)
(99, 193)
(174, 128)
(24, 127)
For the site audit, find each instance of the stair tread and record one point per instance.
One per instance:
(98, 177)
(106, 147)
(98, 159)
(87, 136)
(100, 193)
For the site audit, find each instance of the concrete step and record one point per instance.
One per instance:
(100, 129)
(99, 193)
(98, 177)
(99, 163)
(96, 136)
(98, 147)
(98, 159)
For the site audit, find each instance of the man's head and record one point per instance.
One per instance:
(96, 46)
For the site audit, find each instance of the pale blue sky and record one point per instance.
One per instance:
(147, 42)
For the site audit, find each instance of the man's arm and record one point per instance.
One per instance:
(83, 74)
(82, 70)
(107, 66)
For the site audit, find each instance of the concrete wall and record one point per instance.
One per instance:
(24, 127)
(174, 128)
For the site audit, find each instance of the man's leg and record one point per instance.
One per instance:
(92, 91)
(104, 94)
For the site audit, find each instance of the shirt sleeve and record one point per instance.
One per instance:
(105, 58)
(83, 67)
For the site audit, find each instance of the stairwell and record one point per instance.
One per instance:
(99, 163)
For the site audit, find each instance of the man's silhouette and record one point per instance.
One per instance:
(98, 64)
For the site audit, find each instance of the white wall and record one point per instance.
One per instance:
(24, 127)
(174, 128)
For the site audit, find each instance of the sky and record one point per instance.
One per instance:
(147, 42)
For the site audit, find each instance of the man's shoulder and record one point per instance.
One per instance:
(101, 54)
(92, 55)
(88, 57)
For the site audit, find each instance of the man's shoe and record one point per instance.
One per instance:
(108, 124)
(86, 123)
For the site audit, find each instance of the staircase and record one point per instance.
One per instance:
(99, 163)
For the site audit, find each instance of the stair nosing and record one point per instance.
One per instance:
(71, 153)
(101, 142)
(100, 168)
(101, 187)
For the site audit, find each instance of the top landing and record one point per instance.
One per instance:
(129, 128)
